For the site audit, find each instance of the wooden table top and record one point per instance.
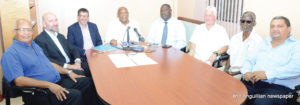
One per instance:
(177, 79)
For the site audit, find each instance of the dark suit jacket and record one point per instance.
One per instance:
(75, 36)
(51, 50)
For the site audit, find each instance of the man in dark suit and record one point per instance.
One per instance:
(57, 48)
(84, 34)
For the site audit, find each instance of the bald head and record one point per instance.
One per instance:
(123, 15)
(23, 31)
(50, 22)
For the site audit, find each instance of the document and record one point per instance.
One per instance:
(121, 60)
(142, 59)
(138, 59)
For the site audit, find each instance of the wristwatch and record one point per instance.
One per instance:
(216, 52)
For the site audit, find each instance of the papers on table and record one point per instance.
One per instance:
(122, 60)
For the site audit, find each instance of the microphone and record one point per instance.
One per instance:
(128, 34)
(141, 39)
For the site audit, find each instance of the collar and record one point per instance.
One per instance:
(50, 34)
(22, 43)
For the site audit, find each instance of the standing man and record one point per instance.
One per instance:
(117, 29)
(83, 34)
(242, 44)
(273, 69)
(167, 30)
(210, 39)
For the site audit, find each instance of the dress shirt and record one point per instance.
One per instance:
(87, 41)
(281, 64)
(21, 60)
(118, 31)
(238, 49)
(208, 41)
(176, 33)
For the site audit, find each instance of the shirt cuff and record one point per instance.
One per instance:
(65, 66)
(77, 60)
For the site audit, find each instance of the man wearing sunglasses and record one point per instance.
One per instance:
(242, 44)
(272, 70)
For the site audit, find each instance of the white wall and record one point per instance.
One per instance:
(192, 9)
(265, 10)
(103, 11)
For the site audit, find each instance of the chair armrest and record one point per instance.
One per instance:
(29, 89)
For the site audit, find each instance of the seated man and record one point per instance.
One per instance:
(273, 69)
(83, 34)
(242, 44)
(57, 48)
(210, 39)
(117, 29)
(167, 30)
(25, 64)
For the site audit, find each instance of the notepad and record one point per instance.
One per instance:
(105, 48)
(122, 60)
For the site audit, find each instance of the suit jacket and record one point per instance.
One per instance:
(51, 50)
(75, 36)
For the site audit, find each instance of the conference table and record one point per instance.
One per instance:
(176, 79)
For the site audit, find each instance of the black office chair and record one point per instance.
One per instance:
(11, 91)
(293, 101)
(219, 59)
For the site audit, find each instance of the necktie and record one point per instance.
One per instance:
(165, 34)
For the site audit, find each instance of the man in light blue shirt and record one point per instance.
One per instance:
(273, 70)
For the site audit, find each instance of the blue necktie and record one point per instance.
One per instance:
(165, 34)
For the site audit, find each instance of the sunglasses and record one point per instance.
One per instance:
(248, 21)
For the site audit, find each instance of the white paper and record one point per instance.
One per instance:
(141, 59)
(121, 60)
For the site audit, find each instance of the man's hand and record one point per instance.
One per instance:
(248, 76)
(59, 91)
(212, 58)
(259, 75)
(114, 42)
(73, 76)
(74, 66)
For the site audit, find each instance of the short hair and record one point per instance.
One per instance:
(82, 10)
(167, 5)
(251, 14)
(213, 9)
(286, 20)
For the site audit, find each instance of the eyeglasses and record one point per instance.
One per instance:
(248, 21)
(24, 29)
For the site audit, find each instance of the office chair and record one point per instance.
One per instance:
(219, 59)
(10, 90)
(293, 101)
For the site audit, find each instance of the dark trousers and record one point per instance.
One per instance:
(86, 68)
(81, 93)
(263, 93)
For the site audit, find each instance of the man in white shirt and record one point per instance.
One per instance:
(210, 39)
(242, 44)
(117, 29)
(167, 30)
